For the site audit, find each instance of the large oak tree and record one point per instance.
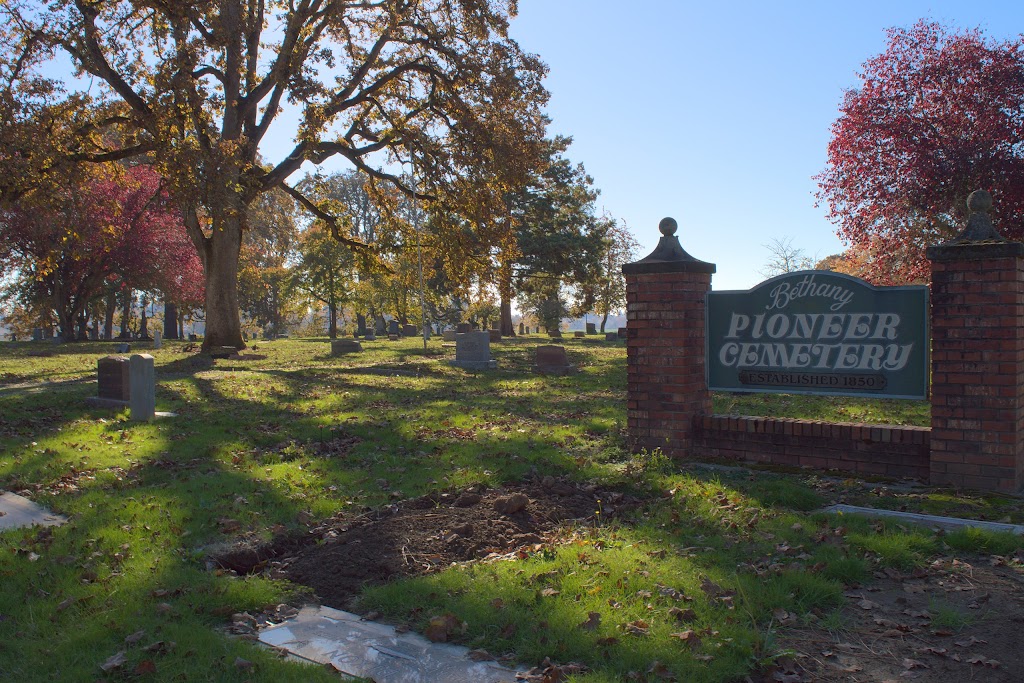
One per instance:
(199, 87)
(936, 116)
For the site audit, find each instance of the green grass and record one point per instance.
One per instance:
(253, 451)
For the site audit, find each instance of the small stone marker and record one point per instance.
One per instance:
(143, 387)
(611, 336)
(340, 347)
(473, 351)
(463, 328)
(622, 333)
(393, 337)
(449, 335)
(158, 339)
(495, 335)
(551, 360)
(579, 334)
(591, 328)
(555, 333)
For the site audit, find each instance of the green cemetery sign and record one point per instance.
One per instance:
(818, 332)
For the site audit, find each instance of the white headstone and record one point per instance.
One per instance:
(158, 339)
(142, 380)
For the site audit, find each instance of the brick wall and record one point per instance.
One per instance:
(864, 450)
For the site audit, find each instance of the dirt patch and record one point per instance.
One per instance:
(953, 622)
(338, 558)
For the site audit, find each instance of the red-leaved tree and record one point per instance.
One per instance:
(112, 224)
(937, 115)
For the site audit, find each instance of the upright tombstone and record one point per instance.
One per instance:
(666, 387)
(393, 328)
(579, 334)
(522, 329)
(340, 347)
(142, 374)
(977, 293)
(409, 331)
(551, 360)
(157, 339)
(473, 351)
(611, 336)
(591, 328)
(495, 335)
(37, 334)
(463, 328)
(555, 333)
(113, 379)
(449, 335)
(624, 331)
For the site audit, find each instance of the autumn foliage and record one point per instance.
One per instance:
(108, 227)
(937, 115)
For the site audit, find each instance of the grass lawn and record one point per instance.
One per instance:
(695, 585)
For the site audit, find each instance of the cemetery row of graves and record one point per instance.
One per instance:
(485, 500)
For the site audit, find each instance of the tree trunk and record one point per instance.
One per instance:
(223, 325)
(126, 312)
(603, 321)
(170, 320)
(144, 324)
(108, 321)
(505, 298)
(332, 325)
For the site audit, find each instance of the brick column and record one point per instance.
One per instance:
(665, 304)
(977, 293)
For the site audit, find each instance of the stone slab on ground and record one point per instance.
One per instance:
(370, 650)
(928, 520)
(17, 512)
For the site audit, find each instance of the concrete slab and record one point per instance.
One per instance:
(17, 512)
(371, 650)
(927, 520)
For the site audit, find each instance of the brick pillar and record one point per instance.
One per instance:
(977, 292)
(665, 304)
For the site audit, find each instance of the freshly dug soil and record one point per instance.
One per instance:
(338, 558)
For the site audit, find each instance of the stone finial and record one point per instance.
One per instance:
(668, 256)
(979, 224)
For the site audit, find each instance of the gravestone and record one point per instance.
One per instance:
(522, 329)
(622, 333)
(611, 336)
(536, 330)
(449, 335)
(555, 333)
(340, 347)
(112, 377)
(473, 351)
(495, 335)
(123, 347)
(409, 331)
(579, 334)
(393, 328)
(370, 336)
(591, 328)
(551, 360)
(37, 334)
(393, 337)
(463, 328)
(142, 376)
(157, 339)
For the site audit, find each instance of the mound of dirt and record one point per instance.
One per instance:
(337, 558)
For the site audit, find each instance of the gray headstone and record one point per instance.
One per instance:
(522, 329)
(393, 328)
(555, 333)
(463, 328)
(473, 351)
(158, 339)
(579, 334)
(611, 336)
(340, 347)
(123, 347)
(37, 334)
(449, 335)
(622, 333)
(495, 335)
(142, 376)
(409, 331)
(591, 328)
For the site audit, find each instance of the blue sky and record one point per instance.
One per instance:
(717, 114)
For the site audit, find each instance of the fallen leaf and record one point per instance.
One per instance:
(114, 662)
(661, 671)
(866, 604)
(243, 664)
(689, 637)
(683, 615)
(550, 592)
(146, 666)
(637, 628)
(480, 656)
(970, 641)
(592, 622)
(914, 664)
(983, 661)
(134, 638)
